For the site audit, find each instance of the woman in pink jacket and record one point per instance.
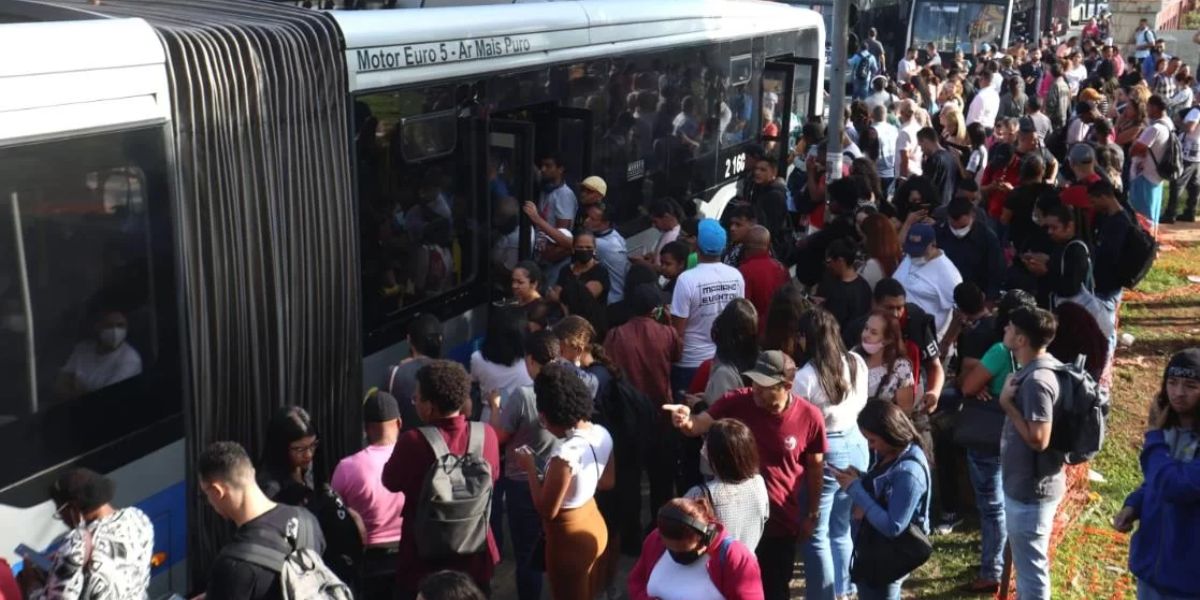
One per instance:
(689, 557)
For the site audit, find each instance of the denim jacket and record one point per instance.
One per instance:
(899, 493)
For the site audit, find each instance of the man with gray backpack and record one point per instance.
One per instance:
(1054, 416)
(276, 552)
(446, 470)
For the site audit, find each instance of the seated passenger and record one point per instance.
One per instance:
(102, 361)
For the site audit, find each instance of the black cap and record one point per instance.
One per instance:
(380, 407)
(1185, 364)
(755, 151)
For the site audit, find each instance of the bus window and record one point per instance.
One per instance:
(957, 25)
(415, 170)
(80, 329)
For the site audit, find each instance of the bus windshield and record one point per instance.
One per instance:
(958, 25)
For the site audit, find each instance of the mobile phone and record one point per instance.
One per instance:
(38, 559)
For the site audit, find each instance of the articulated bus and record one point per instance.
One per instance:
(964, 26)
(211, 209)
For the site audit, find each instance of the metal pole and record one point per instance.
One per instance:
(837, 91)
(1037, 23)
(23, 270)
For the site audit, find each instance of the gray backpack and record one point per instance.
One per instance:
(455, 505)
(302, 573)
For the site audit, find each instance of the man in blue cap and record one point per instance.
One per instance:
(701, 293)
(928, 275)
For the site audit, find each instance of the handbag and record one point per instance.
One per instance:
(879, 560)
(978, 426)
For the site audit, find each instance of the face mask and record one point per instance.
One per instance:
(960, 233)
(687, 558)
(112, 336)
(584, 256)
(919, 261)
(872, 348)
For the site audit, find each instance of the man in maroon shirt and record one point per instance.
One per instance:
(443, 389)
(763, 274)
(790, 435)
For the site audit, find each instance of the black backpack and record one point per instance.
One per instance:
(628, 415)
(1169, 163)
(1137, 256)
(862, 70)
(1080, 414)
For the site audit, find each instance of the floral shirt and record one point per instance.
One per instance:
(882, 386)
(119, 567)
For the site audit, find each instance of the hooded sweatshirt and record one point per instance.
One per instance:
(1165, 548)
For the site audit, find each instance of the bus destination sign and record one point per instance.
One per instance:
(389, 58)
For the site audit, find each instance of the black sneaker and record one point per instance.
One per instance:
(1166, 220)
(1187, 218)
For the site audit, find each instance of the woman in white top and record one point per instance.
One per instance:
(737, 492)
(499, 364)
(575, 532)
(735, 333)
(889, 371)
(834, 381)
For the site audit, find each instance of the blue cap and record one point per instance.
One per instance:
(920, 236)
(711, 238)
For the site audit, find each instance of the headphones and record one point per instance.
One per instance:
(707, 531)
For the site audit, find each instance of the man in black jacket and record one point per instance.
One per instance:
(972, 247)
(769, 198)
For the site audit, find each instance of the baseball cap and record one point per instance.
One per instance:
(1081, 154)
(380, 407)
(986, 47)
(595, 184)
(920, 236)
(711, 237)
(771, 369)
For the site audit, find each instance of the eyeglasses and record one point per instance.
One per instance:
(309, 449)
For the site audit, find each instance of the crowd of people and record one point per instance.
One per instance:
(801, 380)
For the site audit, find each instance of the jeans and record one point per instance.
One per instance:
(989, 500)
(827, 553)
(1029, 526)
(526, 527)
(1187, 181)
(889, 592)
(1146, 591)
(777, 562)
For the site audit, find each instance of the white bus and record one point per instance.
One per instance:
(250, 197)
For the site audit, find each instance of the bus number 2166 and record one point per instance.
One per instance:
(735, 164)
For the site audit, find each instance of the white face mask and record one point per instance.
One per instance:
(960, 233)
(872, 348)
(112, 336)
(918, 261)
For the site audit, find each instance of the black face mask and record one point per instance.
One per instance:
(687, 558)
(584, 256)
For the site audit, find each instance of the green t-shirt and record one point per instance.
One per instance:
(1000, 363)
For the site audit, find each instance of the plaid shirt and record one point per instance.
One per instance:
(1164, 86)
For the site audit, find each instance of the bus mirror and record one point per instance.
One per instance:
(427, 136)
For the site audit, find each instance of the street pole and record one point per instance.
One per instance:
(1037, 23)
(837, 91)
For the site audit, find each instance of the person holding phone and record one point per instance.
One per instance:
(1165, 550)
(893, 494)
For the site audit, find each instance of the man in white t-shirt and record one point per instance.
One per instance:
(928, 275)
(701, 293)
(908, 151)
(1189, 179)
(1145, 186)
(889, 135)
(1144, 40)
(908, 67)
(986, 104)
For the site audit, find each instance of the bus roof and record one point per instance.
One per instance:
(399, 47)
(79, 75)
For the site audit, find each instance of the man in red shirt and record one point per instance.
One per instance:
(763, 274)
(790, 435)
(443, 390)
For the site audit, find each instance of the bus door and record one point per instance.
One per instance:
(511, 180)
(789, 85)
(561, 130)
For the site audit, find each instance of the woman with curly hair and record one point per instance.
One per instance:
(564, 495)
